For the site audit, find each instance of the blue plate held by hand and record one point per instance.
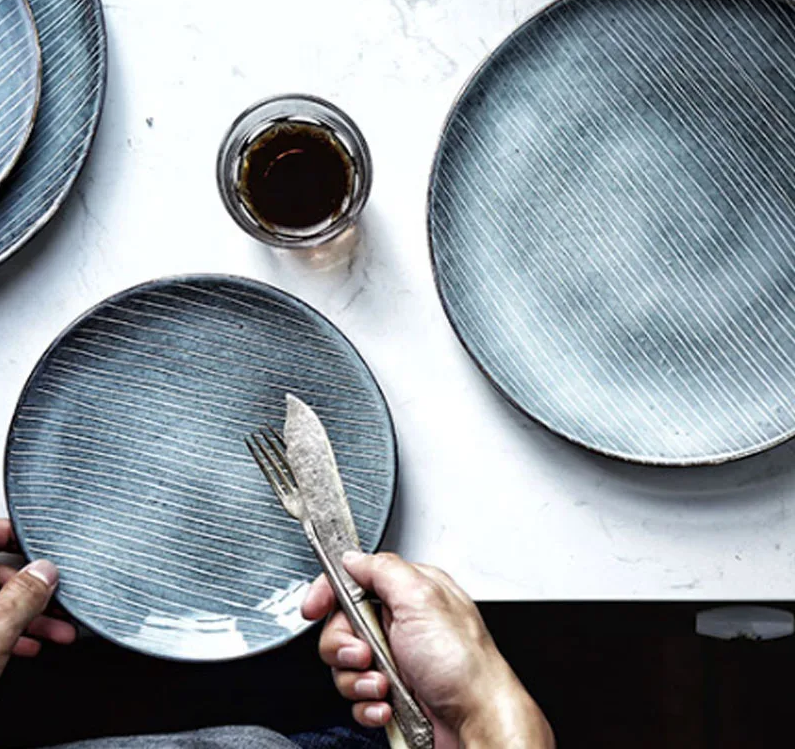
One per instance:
(126, 463)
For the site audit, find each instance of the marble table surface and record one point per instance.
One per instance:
(510, 510)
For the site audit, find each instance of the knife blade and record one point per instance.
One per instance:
(312, 460)
(331, 530)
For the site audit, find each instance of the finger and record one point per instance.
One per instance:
(394, 580)
(6, 573)
(355, 685)
(6, 535)
(54, 630)
(26, 647)
(319, 600)
(22, 599)
(372, 714)
(339, 647)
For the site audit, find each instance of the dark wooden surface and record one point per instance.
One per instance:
(615, 675)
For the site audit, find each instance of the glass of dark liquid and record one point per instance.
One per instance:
(294, 171)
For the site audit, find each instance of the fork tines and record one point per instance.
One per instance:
(268, 451)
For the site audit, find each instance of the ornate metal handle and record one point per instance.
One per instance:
(415, 727)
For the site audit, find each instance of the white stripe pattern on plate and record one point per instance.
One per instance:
(617, 264)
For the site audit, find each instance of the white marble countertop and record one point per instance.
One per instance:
(510, 510)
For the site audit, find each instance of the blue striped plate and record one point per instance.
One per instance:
(612, 224)
(126, 465)
(20, 80)
(73, 49)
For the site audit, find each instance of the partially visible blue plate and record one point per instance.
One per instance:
(73, 49)
(612, 224)
(126, 465)
(20, 80)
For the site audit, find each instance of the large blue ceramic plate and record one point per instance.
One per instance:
(20, 80)
(73, 49)
(126, 464)
(612, 224)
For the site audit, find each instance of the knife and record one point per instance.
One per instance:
(331, 532)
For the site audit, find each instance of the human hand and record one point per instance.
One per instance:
(443, 651)
(24, 596)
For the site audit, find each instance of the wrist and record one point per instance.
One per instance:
(506, 717)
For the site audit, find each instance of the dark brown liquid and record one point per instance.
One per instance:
(296, 175)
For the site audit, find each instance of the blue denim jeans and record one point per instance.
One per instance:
(244, 737)
(342, 738)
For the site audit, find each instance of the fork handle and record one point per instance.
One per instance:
(393, 733)
(409, 728)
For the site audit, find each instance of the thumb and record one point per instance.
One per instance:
(22, 599)
(393, 579)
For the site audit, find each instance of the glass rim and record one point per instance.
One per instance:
(247, 126)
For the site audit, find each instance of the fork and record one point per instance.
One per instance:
(409, 727)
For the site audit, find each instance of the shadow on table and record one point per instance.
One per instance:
(28, 257)
(755, 479)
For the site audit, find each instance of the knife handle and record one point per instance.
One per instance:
(409, 728)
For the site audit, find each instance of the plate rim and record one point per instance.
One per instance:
(632, 459)
(154, 283)
(5, 172)
(99, 106)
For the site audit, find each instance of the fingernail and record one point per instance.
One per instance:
(351, 557)
(348, 656)
(43, 570)
(375, 714)
(367, 689)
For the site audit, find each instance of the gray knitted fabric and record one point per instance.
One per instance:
(231, 737)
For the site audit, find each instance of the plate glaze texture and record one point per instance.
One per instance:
(126, 464)
(20, 80)
(612, 224)
(74, 62)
